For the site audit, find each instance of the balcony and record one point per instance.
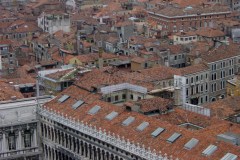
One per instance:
(20, 153)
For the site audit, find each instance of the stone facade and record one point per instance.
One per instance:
(19, 129)
(66, 139)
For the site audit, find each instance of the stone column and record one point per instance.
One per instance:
(19, 146)
(4, 143)
(34, 144)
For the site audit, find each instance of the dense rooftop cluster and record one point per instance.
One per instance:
(163, 74)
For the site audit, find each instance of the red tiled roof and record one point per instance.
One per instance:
(205, 136)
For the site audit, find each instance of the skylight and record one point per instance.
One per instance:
(229, 156)
(174, 137)
(77, 104)
(209, 150)
(157, 132)
(190, 144)
(142, 126)
(94, 110)
(111, 115)
(63, 98)
(128, 121)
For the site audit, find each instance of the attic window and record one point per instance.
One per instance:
(63, 98)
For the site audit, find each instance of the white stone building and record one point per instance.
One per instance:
(53, 22)
(19, 129)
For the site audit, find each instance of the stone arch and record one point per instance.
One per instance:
(52, 134)
(78, 146)
(49, 152)
(213, 99)
(82, 148)
(49, 132)
(42, 129)
(103, 154)
(45, 130)
(66, 140)
(94, 152)
(107, 155)
(99, 153)
(85, 149)
(111, 157)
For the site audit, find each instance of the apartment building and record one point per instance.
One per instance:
(54, 21)
(223, 63)
(197, 83)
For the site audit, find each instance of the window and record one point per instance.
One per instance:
(196, 78)
(65, 85)
(214, 76)
(12, 141)
(206, 87)
(214, 67)
(175, 57)
(187, 81)
(201, 88)
(27, 139)
(124, 96)
(109, 99)
(116, 98)
(191, 79)
(139, 98)
(131, 96)
(145, 65)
